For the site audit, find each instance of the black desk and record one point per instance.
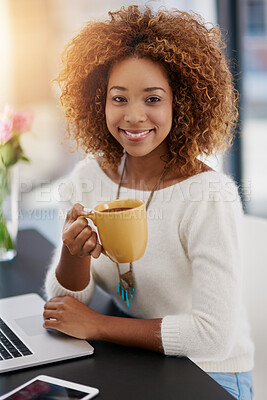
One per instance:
(118, 372)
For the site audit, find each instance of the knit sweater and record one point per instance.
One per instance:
(192, 269)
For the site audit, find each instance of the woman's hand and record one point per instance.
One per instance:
(80, 239)
(70, 316)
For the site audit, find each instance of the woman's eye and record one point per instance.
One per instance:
(118, 99)
(153, 99)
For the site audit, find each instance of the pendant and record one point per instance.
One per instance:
(126, 286)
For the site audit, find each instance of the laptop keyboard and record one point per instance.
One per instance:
(10, 345)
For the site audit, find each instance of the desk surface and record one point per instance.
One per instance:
(118, 372)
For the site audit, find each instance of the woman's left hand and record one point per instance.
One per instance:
(70, 316)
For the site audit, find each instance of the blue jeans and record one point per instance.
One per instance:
(239, 385)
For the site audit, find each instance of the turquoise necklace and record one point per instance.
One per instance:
(126, 287)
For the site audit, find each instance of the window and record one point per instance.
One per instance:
(254, 123)
(256, 17)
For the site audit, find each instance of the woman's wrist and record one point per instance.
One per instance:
(73, 272)
(144, 333)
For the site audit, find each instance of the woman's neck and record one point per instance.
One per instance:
(142, 171)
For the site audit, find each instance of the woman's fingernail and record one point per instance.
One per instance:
(87, 210)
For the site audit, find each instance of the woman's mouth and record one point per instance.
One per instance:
(136, 135)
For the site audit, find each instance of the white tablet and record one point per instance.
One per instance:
(46, 387)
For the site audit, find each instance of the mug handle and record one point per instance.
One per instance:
(91, 216)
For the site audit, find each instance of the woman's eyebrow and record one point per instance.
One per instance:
(118, 88)
(149, 89)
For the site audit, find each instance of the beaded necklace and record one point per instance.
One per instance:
(126, 287)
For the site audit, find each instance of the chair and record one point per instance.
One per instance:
(255, 296)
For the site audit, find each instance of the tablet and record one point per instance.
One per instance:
(46, 387)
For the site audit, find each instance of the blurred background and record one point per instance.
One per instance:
(33, 34)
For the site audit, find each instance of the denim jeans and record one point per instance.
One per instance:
(239, 385)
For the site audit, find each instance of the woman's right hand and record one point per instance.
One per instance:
(79, 238)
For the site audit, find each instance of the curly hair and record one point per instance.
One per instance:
(204, 98)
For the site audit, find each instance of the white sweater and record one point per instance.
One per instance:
(191, 273)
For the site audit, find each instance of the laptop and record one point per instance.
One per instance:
(23, 340)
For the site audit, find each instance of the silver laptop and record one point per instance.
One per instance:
(23, 340)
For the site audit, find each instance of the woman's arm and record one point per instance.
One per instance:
(73, 272)
(69, 272)
(79, 244)
(74, 318)
(144, 333)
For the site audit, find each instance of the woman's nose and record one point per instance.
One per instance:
(134, 114)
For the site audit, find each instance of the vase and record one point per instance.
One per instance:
(8, 212)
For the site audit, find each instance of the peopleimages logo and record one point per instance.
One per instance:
(40, 214)
(46, 196)
(192, 189)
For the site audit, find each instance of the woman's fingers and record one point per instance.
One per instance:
(50, 323)
(76, 246)
(90, 244)
(79, 237)
(54, 309)
(97, 251)
(48, 314)
(72, 231)
(85, 244)
(75, 212)
(53, 300)
(85, 240)
(70, 316)
(53, 303)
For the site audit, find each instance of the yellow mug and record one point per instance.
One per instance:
(122, 228)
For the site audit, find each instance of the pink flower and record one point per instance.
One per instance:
(14, 123)
(22, 121)
(6, 125)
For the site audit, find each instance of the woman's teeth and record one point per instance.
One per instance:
(137, 134)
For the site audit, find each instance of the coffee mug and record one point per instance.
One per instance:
(122, 228)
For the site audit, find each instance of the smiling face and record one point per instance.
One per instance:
(139, 106)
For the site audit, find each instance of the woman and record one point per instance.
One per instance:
(149, 95)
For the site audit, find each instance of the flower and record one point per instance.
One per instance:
(5, 129)
(22, 122)
(12, 125)
(6, 124)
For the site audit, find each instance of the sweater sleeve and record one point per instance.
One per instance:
(210, 231)
(52, 287)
